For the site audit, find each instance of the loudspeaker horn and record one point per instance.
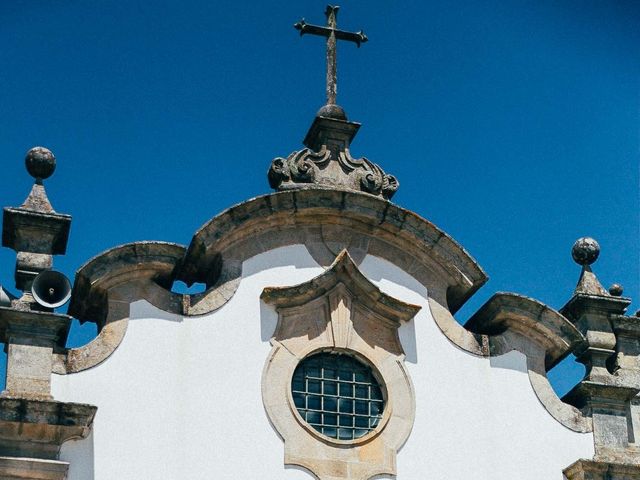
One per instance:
(51, 289)
(5, 298)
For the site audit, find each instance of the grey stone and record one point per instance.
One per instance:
(585, 251)
(31, 338)
(40, 163)
(12, 468)
(38, 428)
(610, 353)
(349, 214)
(595, 470)
(557, 336)
(327, 162)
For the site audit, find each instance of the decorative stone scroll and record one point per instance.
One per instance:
(339, 311)
(327, 162)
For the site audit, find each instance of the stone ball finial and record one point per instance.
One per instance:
(40, 163)
(616, 290)
(585, 251)
(332, 111)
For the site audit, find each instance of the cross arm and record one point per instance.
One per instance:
(355, 37)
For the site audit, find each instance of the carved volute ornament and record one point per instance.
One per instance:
(327, 161)
(339, 312)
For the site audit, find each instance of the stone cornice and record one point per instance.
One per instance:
(324, 220)
(124, 264)
(285, 218)
(35, 232)
(215, 254)
(533, 319)
(604, 304)
(602, 470)
(37, 428)
(34, 324)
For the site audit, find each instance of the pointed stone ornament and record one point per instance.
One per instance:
(610, 354)
(37, 201)
(35, 230)
(33, 426)
(585, 252)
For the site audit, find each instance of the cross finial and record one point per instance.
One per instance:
(332, 33)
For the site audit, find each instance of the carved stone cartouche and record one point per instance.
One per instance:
(327, 162)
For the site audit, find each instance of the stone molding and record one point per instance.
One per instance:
(546, 327)
(595, 470)
(105, 287)
(38, 428)
(325, 221)
(339, 310)
(139, 262)
(627, 359)
(304, 216)
(12, 468)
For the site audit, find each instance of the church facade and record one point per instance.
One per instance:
(323, 346)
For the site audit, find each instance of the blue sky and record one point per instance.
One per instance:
(513, 125)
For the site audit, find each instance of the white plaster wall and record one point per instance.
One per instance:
(476, 418)
(180, 398)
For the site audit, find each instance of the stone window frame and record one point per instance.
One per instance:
(340, 310)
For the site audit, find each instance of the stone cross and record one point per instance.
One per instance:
(333, 34)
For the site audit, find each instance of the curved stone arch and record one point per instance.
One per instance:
(327, 221)
(515, 322)
(104, 288)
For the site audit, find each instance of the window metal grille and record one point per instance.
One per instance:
(337, 395)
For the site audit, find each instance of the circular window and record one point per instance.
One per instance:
(337, 395)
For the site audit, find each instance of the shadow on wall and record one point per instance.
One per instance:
(512, 360)
(563, 377)
(268, 321)
(79, 453)
(296, 256)
(385, 273)
(407, 335)
(142, 309)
